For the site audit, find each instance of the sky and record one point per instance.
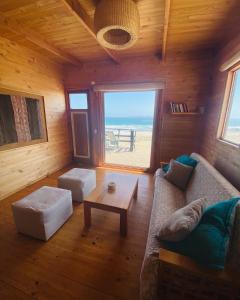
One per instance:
(235, 111)
(78, 101)
(129, 104)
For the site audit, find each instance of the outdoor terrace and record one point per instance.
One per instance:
(128, 147)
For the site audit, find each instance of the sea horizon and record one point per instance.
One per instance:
(234, 123)
(145, 123)
(136, 123)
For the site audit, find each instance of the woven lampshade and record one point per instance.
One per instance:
(117, 23)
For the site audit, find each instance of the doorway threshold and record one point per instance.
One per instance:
(124, 168)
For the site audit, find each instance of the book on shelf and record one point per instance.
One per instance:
(178, 107)
(186, 108)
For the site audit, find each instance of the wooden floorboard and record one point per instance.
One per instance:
(75, 263)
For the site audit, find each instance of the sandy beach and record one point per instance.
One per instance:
(139, 157)
(233, 135)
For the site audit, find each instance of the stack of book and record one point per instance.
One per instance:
(178, 107)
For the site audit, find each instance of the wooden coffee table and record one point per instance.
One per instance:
(118, 201)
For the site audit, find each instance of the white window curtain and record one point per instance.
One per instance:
(127, 87)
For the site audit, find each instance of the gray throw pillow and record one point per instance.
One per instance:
(182, 222)
(178, 174)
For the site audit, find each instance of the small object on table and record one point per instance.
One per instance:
(111, 187)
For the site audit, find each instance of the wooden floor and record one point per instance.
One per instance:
(74, 263)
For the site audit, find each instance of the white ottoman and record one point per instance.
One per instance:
(43, 212)
(80, 181)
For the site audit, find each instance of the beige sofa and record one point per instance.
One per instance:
(205, 182)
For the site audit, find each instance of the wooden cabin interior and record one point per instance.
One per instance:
(97, 97)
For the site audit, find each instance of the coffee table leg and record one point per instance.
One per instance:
(123, 222)
(135, 195)
(87, 215)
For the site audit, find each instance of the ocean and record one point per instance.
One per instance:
(234, 123)
(146, 123)
(137, 123)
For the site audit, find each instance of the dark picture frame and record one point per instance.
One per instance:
(22, 119)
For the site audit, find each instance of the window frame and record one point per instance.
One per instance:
(87, 111)
(44, 139)
(227, 105)
(78, 92)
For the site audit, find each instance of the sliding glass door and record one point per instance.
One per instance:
(128, 127)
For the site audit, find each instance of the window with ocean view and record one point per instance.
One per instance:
(231, 130)
(128, 127)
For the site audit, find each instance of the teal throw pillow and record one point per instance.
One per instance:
(208, 243)
(183, 159)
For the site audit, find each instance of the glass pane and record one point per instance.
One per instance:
(34, 118)
(78, 101)
(128, 127)
(232, 127)
(8, 133)
(21, 120)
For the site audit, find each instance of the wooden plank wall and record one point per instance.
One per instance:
(24, 70)
(224, 157)
(187, 77)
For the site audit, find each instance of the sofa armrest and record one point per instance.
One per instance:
(187, 264)
(179, 277)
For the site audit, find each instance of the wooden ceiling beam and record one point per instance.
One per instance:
(17, 28)
(165, 27)
(76, 9)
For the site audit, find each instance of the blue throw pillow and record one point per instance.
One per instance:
(185, 160)
(208, 242)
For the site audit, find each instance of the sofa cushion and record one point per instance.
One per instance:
(178, 174)
(207, 182)
(167, 199)
(208, 243)
(182, 222)
(183, 159)
(234, 250)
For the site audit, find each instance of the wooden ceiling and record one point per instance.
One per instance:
(63, 29)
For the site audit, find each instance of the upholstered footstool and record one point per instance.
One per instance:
(43, 212)
(80, 181)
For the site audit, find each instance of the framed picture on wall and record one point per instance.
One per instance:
(22, 119)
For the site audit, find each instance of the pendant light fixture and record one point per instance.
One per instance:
(117, 23)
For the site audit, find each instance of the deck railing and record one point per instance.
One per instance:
(115, 136)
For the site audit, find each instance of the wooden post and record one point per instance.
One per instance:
(87, 214)
(135, 195)
(123, 222)
(132, 140)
